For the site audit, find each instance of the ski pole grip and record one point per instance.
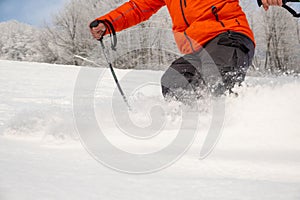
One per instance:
(259, 2)
(94, 24)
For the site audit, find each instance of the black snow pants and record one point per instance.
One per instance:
(218, 66)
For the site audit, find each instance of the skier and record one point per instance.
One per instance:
(209, 33)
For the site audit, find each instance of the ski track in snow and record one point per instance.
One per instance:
(257, 157)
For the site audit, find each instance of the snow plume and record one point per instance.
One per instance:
(50, 125)
(36, 104)
(265, 115)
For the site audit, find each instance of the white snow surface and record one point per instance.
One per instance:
(41, 156)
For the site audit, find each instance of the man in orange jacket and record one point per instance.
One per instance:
(211, 34)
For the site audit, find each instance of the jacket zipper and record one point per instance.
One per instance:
(214, 11)
(186, 22)
(182, 12)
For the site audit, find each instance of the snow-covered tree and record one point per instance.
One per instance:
(279, 38)
(276, 39)
(18, 41)
(69, 36)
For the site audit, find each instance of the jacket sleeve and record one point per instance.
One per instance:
(132, 13)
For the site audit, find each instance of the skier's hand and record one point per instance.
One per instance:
(267, 3)
(98, 31)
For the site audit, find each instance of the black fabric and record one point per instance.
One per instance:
(219, 65)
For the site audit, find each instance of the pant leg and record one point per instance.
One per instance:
(231, 54)
(221, 64)
(181, 78)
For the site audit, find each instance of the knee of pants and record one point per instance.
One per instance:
(172, 81)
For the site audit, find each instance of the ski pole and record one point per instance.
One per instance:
(112, 33)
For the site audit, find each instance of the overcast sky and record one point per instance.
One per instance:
(33, 12)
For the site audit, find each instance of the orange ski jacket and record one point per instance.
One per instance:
(195, 22)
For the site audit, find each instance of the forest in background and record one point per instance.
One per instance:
(149, 45)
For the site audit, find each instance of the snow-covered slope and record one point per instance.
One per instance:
(41, 157)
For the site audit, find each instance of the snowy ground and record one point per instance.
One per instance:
(257, 157)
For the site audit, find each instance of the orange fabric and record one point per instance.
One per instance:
(203, 25)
